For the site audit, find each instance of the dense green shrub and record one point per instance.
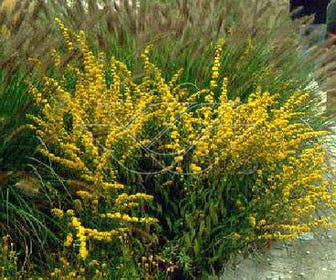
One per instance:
(224, 174)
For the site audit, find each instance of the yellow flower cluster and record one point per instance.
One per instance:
(68, 240)
(66, 34)
(127, 218)
(83, 233)
(81, 237)
(56, 57)
(102, 235)
(57, 212)
(84, 194)
(217, 65)
(8, 258)
(102, 126)
(81, 128)
(125, 198)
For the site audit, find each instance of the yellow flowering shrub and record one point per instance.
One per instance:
(223, 173)
(8, 259)
(79, 134)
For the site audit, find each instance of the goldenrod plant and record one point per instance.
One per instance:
(8, 259)
(89, 121)
(224, 174)
(155, 151)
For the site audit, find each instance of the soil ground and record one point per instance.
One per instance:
(310, 257)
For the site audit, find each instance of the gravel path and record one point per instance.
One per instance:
(310, 258)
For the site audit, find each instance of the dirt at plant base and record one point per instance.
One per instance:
(310, 257)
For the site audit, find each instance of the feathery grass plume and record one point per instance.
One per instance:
(184, 30)
(23, 36)
(23, 202)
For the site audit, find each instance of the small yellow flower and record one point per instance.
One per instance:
(178, 158)
(94, 263)
(57, 212)
(69, 239)
(252, 221)
(179, 169)
(262, 222)
(70, 212)
(194, 168)
(75, 222)
(83, 252)
(235, 236)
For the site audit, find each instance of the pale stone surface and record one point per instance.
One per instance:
(290, 261)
